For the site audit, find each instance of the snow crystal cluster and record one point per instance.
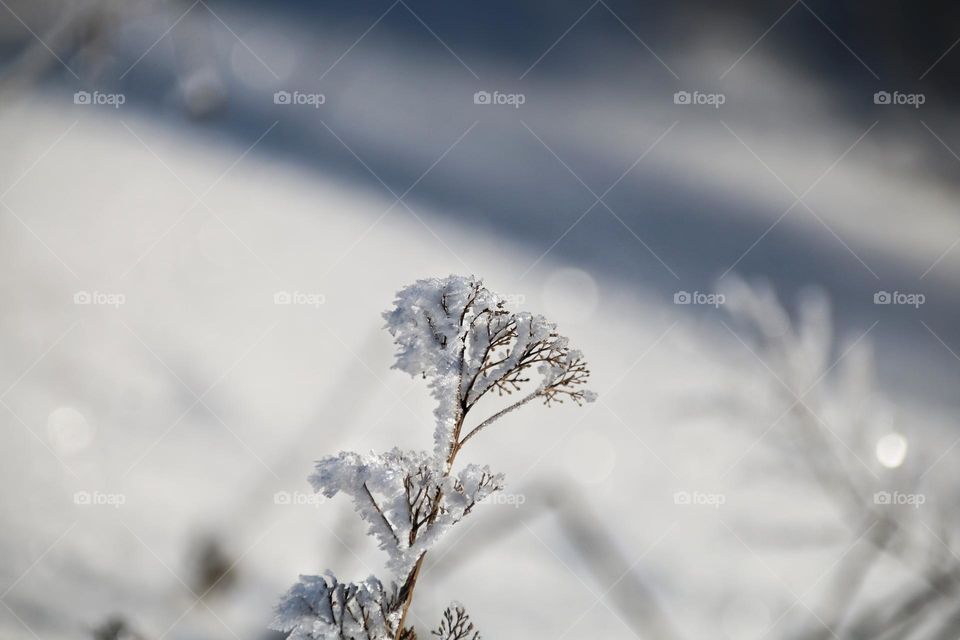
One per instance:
(321, 608)
(404, 497)
(458, 335)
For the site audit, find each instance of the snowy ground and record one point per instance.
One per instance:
(200, 404)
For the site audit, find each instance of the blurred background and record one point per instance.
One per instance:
(744, 213)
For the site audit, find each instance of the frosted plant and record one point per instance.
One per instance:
(457, 334)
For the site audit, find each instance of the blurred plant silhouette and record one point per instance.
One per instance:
(115, 628)
(833, 437)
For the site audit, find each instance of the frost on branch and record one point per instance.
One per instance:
(458, 334)
(322, 608)
(407, 501)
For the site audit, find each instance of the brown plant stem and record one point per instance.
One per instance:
(406, 592)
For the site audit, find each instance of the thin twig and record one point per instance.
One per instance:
(497, 416)
(382, 515)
